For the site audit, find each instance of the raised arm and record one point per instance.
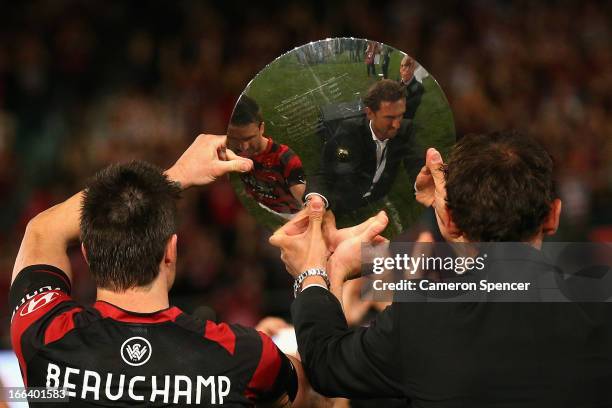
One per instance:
(49, 234)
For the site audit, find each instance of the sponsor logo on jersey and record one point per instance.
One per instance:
(136, 351)
(39, 301)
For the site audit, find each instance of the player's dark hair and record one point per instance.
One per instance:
(247, 111)
(386, 90)
(499, 186)
(127, 217)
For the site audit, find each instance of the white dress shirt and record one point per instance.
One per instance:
(381, 159)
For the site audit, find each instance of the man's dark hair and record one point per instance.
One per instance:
(499, 186)
(128, 215)
(247, 111)
(386, 90)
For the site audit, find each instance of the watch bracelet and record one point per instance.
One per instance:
(297, 284)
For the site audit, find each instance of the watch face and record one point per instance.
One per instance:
(347, 118)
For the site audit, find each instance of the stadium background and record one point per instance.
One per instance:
(85, 83)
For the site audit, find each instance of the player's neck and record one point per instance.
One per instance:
(139, 300)
(263, 144)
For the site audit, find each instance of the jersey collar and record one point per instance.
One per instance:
(108, 310)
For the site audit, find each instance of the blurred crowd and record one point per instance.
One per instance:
(85, 83)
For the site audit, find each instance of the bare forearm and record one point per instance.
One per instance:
(48, 235)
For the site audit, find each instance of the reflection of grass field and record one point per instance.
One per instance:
(286, 78)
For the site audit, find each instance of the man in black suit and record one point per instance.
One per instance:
(495, 187)
(361, 160)
(414, 89)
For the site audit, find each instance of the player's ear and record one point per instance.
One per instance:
(170, 252)
(84, 252)
(369, 113)
(262, 127)
(551, 222)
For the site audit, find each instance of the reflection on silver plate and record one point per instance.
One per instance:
(349, 119)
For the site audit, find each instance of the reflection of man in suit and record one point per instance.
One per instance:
(414, 89)
(361, 160)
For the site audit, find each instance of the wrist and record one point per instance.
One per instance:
(62, 220)
(338, 273)
(176, 175)
(314, 280)
(300, 280)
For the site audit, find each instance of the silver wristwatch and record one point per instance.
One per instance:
(297, 285)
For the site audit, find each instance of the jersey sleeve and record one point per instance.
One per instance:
(293, 172)
(270, 374)
(41, 308)
(274, 375)
(34, 280)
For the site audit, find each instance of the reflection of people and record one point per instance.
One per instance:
(353, 49)
(371, 53)
(130, 347)
(414, 89)
(495, 187)
(277, 179)
(361, 160)
(386, 59)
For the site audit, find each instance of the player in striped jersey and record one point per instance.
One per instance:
(277, 179)
(131, 348)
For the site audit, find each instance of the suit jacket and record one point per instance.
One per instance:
(348, 164)
(414, 93)
(462, 354)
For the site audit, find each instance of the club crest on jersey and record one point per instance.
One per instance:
(136, 351)
(38, 301)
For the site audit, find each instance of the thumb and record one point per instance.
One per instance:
(316, 210)
(230, 155)
(374, 229)
(239, 165)
(382, 217)
(275, 240)
(435, 165)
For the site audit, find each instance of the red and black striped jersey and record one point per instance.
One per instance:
(104, 355)
(275, 170)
